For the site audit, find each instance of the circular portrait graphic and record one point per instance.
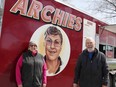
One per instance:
(54, 45)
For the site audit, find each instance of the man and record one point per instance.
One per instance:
(53, 46)
(91, 68)
(31, 68)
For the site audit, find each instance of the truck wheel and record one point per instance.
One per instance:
(115, 80)
(112, 80)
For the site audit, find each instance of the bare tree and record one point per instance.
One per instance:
(107, 7)
(104, 8)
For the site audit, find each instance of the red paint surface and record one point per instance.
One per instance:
(15, 35)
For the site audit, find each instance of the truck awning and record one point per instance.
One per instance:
(111, 28)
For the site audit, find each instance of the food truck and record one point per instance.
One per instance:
(26, 20)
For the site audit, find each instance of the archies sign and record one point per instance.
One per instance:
(47, 13)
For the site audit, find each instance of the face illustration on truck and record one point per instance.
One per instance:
(54, 44)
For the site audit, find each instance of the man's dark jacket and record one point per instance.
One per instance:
(91, 72)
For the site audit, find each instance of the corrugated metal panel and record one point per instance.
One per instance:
(111, 28)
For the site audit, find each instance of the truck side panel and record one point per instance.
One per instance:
(19, 25)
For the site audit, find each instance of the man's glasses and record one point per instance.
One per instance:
(56, 43)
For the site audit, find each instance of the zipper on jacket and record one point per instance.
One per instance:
(91, 61)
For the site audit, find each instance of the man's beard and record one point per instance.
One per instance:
(90, 49)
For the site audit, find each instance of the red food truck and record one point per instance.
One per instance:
(26, 20)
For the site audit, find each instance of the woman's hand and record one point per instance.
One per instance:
(44, 85)
(20, 85)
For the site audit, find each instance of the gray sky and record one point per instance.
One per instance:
(84, 5)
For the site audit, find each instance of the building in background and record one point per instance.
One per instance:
(1, 12)
(107, 43)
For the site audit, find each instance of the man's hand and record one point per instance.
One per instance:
(75, 85)
(104, 86)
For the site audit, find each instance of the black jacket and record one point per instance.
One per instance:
(32, 69)
(91, 72)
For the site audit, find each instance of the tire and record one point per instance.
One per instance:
(112, 80)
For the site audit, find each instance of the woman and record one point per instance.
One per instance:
(53, 46)
(31, 68)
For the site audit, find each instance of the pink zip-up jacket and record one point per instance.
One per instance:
(18, 73)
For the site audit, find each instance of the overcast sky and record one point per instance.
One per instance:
(84, 5)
